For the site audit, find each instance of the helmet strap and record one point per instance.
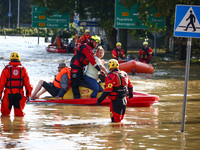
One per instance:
(14, 60)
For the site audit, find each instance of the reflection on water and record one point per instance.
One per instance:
(88, 127)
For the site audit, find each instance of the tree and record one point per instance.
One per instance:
(25, 12)
(102, 10)
(167, 9)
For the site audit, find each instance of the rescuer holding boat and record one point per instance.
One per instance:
(13, 78)
(81, 58)
(145, 53)
(118, 53)
(117, 86)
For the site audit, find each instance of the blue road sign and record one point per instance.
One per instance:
(9, 14)
(87, 24)
(76, 23)
(187, 21)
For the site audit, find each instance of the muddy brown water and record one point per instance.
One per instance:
(88, 127)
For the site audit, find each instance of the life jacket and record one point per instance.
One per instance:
(76, 40)
(57, 79)
(120, 86)
(145, 55)
(79, 59)
(84, 40)
(120, 53)
(15, 79)
(58, 42)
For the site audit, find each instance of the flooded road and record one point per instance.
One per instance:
(89, 127)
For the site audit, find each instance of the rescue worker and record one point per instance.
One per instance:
(81, 58)
(60, 85)
(13, 78)
(145, 53)
(118, 53)
(76, 38)
(84, 38)
(117, 86)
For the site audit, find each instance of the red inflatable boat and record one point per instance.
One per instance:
(136, 67)
(138, 100)
(53, 49)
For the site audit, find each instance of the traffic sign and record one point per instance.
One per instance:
(9, 14)
(128, 18)
(41, 20)
(187, 19)
(87, 24)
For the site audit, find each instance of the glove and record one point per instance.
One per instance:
(98, 103)
(27, 99)
(97, 67)
(130, 90)
(130, 95)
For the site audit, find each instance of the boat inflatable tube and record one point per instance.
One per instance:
(138, 100)
(136, 67)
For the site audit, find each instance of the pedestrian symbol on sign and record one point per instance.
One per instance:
(192, 21)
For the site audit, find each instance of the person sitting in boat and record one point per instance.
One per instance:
(84, 38)
(131, 57)
(91, 74)
(60, 85)
(117, 85)
(81, 58)
(59, 42)
(145, 53)
(118, 53)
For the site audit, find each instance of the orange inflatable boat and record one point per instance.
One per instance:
(136, 67)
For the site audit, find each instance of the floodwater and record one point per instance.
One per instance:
(89, 127)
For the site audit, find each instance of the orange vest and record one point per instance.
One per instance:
(57, 79)
(58, 42)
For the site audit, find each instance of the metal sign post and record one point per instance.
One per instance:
(187, 68)
(154, 43)
(187, 25)
(38, 36)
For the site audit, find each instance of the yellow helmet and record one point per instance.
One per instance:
(15, 56)
(113, 63)
(118, 44)
(145, 43)
(87, 31)
(96, 38)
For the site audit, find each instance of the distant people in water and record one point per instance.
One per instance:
(145, 53)
(118, 53)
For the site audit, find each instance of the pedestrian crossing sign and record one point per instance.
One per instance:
(187, 19)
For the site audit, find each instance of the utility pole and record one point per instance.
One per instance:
(9, 13)
(18, 14)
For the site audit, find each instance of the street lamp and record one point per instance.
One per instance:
(18, 14)
(9, 13)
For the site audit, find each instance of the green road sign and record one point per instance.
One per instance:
(128, 19)
(41, 20)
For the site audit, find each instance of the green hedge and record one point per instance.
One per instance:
(27, 31)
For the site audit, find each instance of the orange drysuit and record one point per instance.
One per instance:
(13, 78)
(83, 39)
